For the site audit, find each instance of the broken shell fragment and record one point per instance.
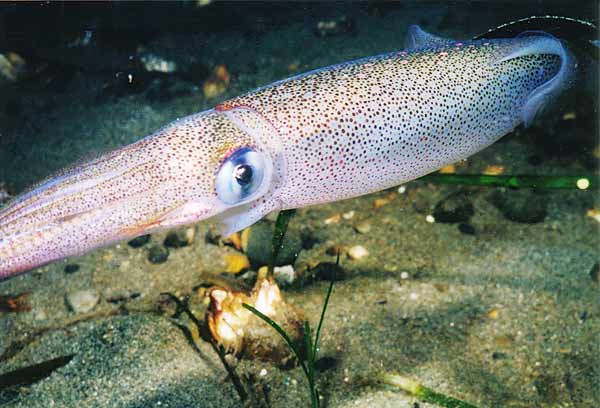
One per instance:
(240, 332)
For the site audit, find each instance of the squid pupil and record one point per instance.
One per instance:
(243, 174)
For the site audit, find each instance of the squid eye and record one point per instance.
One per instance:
(241, 175)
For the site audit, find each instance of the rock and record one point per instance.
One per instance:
(363, 227)
(179, 238)
(258, 245)
(71, 268)
(285, 275)
(158, 254)
(82, 301)
(139, 241)
(454, 208)
(520, 205)
(357, 252)
(235, 262)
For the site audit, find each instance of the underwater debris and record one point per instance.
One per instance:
(82, 301)
(217, 83)
(154, 63)
(242, 333)
(493, 170)
(15, 303)
(330, 28)
(12, 67)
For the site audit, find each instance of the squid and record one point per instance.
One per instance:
(326, 135)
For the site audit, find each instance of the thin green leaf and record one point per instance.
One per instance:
(583, 182)
(325, 304)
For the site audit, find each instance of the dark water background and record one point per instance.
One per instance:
(498, 306)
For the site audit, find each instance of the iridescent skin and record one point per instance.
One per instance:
(331, 134)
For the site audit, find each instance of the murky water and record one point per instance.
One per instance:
(486, 293)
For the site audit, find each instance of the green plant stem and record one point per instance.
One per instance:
(421, 392)
(515, 181)
(283, 218)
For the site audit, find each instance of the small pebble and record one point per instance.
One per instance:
(430, 219)
(263, 372)
(348, 215)
(334, 219)
(456, 207)
(401, 189)
(413, 296)
(139, 241)
(284, 275)
(158, 254)
(179, 238)
(236, 262)
(71, 268)
(357, 252)
(404, 275)
(82, 301)
(363, 227)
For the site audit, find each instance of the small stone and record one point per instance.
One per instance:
(493, 170)
(176, 239)
(235, 262)
(363, 227)
(158, 254)
(454, 208)
(357, 252)
(82, 301)
(430, 218)
(404, 275)
(334, 219)
(402, 189)
(263, 372)
(348, 215)
(284, 275)
(139, 241)
(259, 245)
(71, 268)
(493, 313)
